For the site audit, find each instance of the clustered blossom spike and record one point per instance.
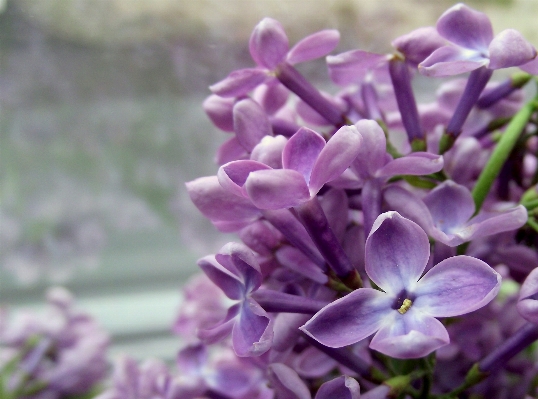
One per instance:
(389, 248)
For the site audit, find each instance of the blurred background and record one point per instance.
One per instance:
(101, 125)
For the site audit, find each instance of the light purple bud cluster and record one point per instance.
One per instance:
(367, 233)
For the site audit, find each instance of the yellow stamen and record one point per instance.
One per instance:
(405, 306)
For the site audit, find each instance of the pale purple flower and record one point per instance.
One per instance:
(403, 315)
(235, 270)
(473, 45)
(446, 213)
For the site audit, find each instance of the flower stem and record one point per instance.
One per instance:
(503, 90)
(275, 301)
(501, 152)
(298, 84)
(313, 218)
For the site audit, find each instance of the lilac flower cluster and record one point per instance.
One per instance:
(388, 247)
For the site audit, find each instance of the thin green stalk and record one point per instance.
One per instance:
(501, 152)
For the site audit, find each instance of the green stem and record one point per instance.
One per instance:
(501, 152)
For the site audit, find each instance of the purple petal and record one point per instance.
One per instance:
(219, 110)
(411, 335)
(240, 260)
(313, 363)
(296, 260)
(269, 151)
(222, 330)
(350, 319)
(530, 67)
(416, 164)
(250, 123)
(302, 150)
(225, 279)
(372, 154)
(397, 251)
(419, 44)
(335, 205)
(353, 66)
(342, 387)
(409, 206)
(451, 60)
(233, 175)
(239, 82)
(450, 205)
(276, 188)
(314, 46)
(489, 223)
(272, 96)
(268, 43)
(527, 305)
(509, 48)
(340, 151)
(219, 205)
(252, 334)
(456, 286)
(231, 150)
(286, 330)
(286, 382)
(466, 27)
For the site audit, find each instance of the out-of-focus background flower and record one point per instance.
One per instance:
(101, 125)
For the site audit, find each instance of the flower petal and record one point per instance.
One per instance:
(409, 336)
(286, 382)
(219, 110)
(342, 387)
(419, 44)
(219, 205)
(314, 46)
(340, 151)
(450, 205)
(240, 260)
(527, 305)
(225, 279)
(276, 188)
(466, 27)
(250, 123)
(416, 164)
(350, 319)
(353, 66)
(302, 150)
(296, 260)
(252, 333)
(233, 175)
(268, 43)
(397, 251)
(239, 82)
(489, 223)
(530, 67)
(456, 286)
(373, 151)
(509, 48)
(222, 330)
(451, 60)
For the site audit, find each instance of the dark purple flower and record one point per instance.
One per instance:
(235, 270)
(403, 315)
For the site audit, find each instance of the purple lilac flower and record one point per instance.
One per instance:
(235, 270)
(472, 45)
(446, 213)
(403, 315)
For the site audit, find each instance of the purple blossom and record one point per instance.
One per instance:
(446, 213)
(308, 163)
(473, 45)
(403, 315)
(235, 270)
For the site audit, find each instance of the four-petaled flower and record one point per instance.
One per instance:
(403, 315)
